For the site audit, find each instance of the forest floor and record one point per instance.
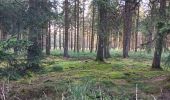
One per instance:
(82, 78)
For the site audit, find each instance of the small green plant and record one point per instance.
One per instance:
(56, 68)
(167, 62)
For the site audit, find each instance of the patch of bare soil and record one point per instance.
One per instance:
(156, 79)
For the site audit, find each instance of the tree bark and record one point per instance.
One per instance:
(55, 34)
(34, 51)
(127, 28)
(137, 27)
(63, 37)
(60, 45)
(106, 47)
(71, 40)
(48, 39)
(102, 29)
(66, 29)
(83, 44)
(156, 64)
(78, 23)
(92, 35)
(75, 24)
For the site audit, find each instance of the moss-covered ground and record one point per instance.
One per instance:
(80, 77)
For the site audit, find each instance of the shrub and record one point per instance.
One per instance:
(13, 54)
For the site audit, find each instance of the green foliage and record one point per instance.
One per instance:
(12, 15)
(15, 60)
(56, 68)
(167, 62)
(7, 47)
(164, 27)
(14, 43)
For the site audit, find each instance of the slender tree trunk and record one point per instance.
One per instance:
(127, 28)
(42, 41)
(83, 44)
(66, 29)
(87, 35)
(137, 27)
(60, 39)
(55, 34)
(48, 39)
(78, 28)
(63, 37)
(92, 35)
(71, 40)
(132, 42)
(75, 26)
(97, 42)
(156, 64)
(118, 40)
(114, 42)
(102, 30)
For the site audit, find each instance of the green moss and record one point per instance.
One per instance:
(152, 74)
(81, 73)
(56, 68)
(116, 75)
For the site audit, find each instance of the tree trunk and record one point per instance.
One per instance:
(34, 51)
(87, 42)
(102, 29)
(83, 44)
(118, 40)
(48, 39)
(63, 37)
(71, 40)
(60, 38)
(42, 41)
(127, 28)
(55, 34)
(89, 46)
(92, 35)
(75, 25)
(137, 27)
(106, 47)
(97, 42)
(78, 29)
(66, 29)
(156, 64)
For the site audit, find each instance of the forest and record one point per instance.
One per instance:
(84, 50)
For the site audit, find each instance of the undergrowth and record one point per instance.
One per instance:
(82, 78)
